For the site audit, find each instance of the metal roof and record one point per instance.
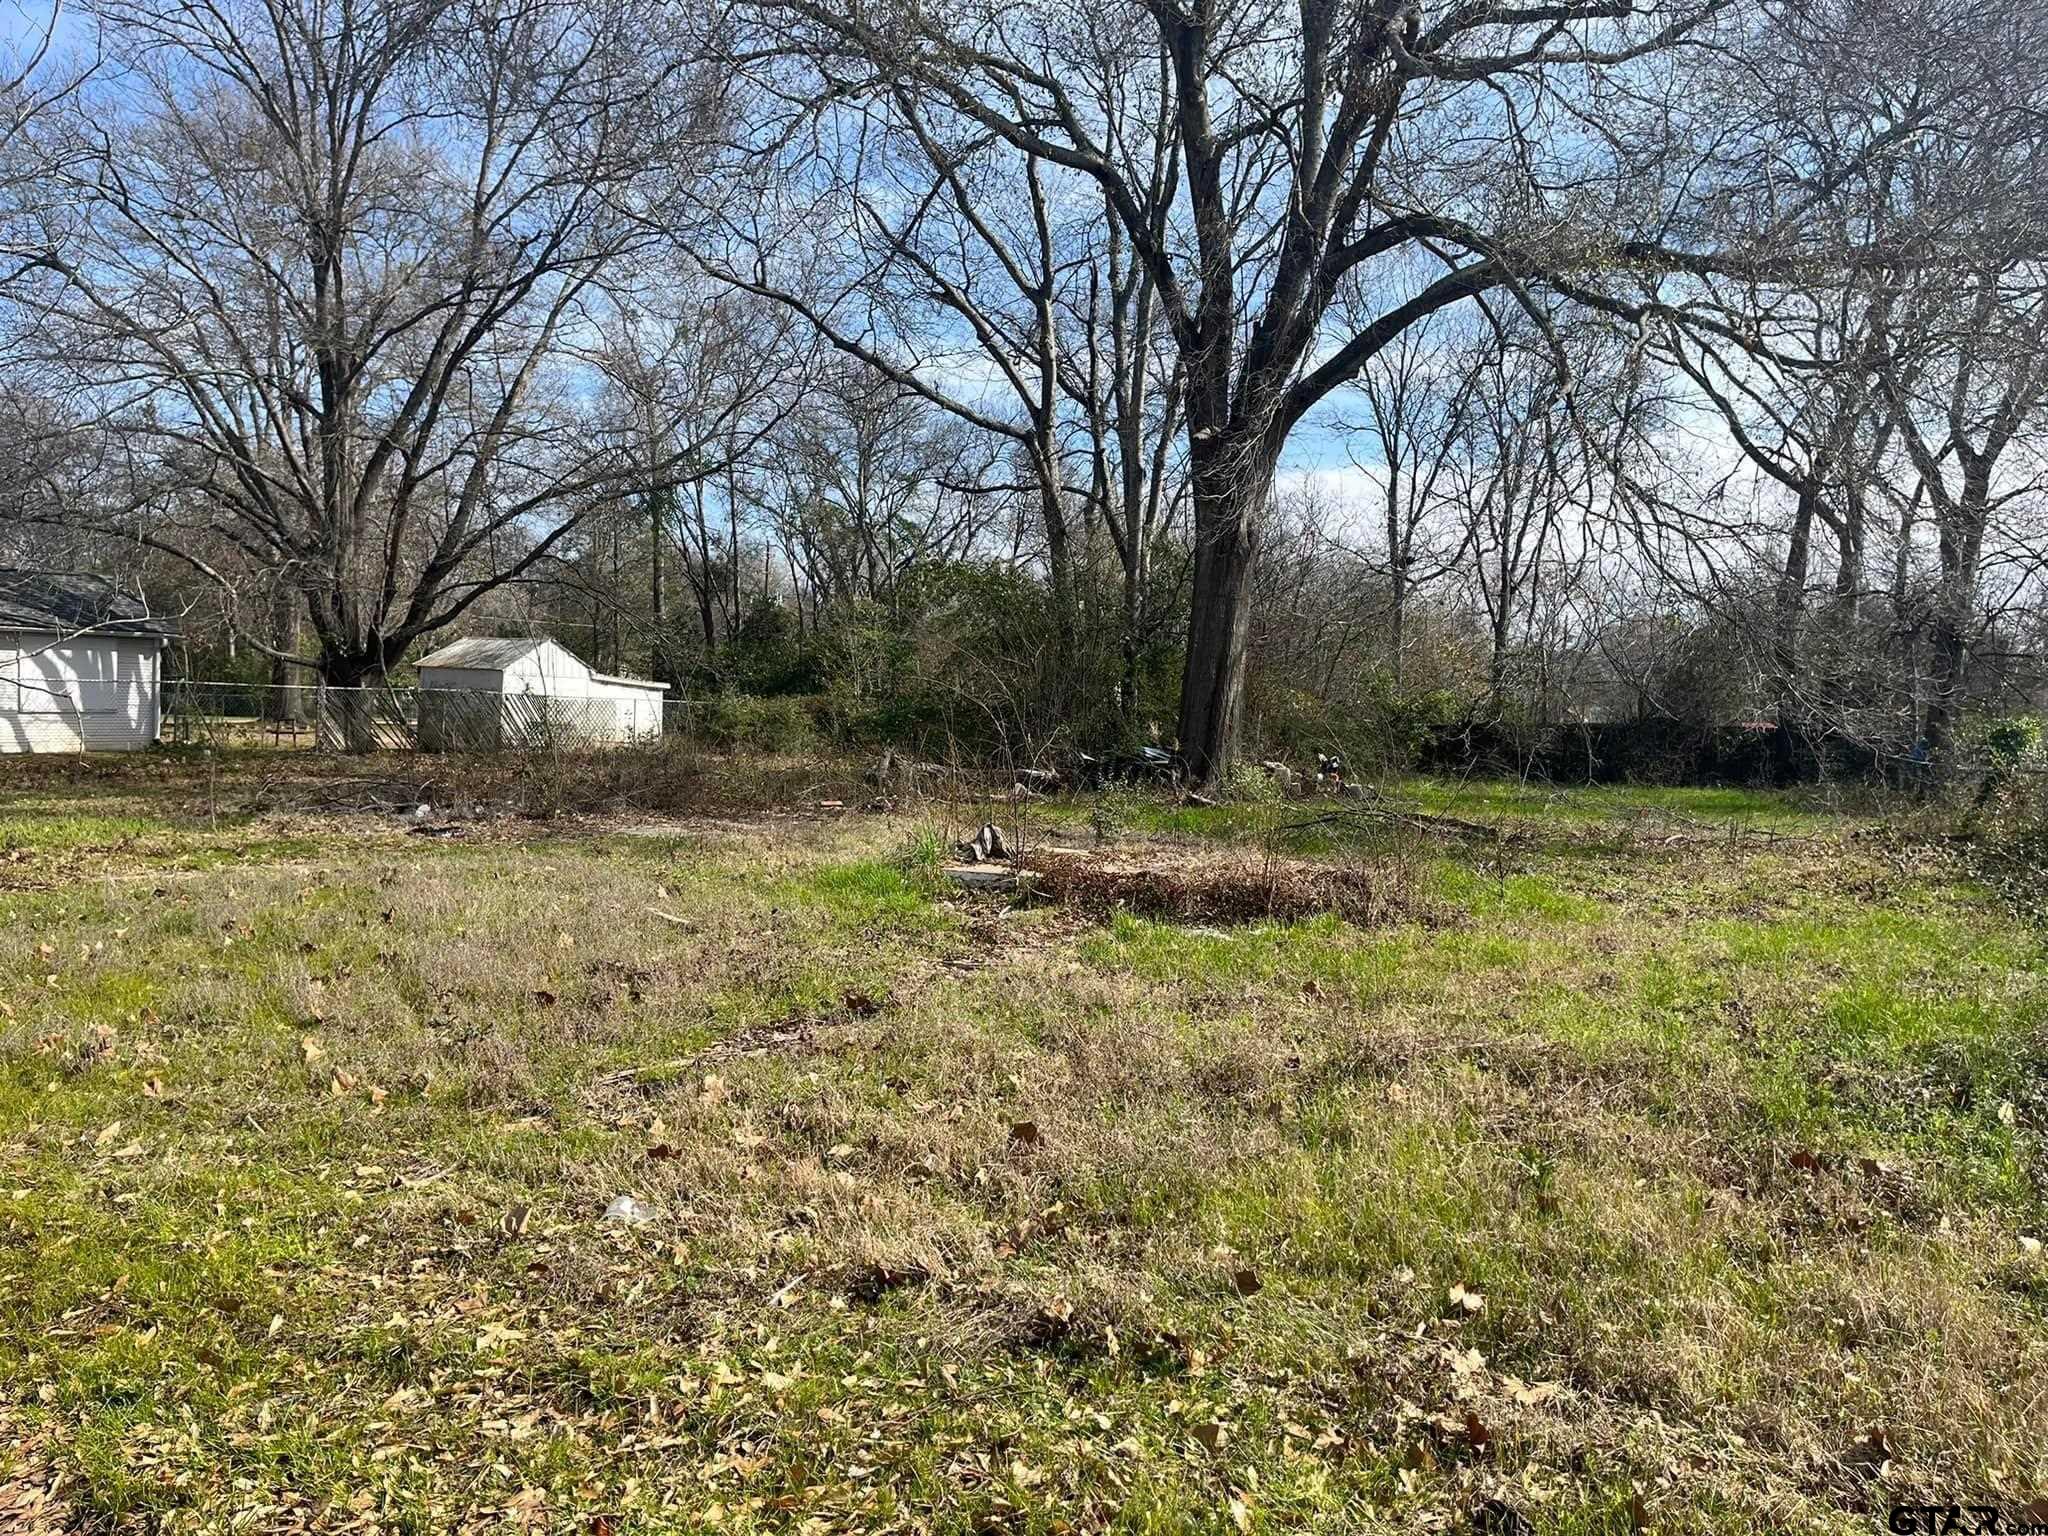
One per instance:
(67, 604)
(630, 682)
(481, 652)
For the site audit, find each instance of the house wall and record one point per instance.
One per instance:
(94, 693)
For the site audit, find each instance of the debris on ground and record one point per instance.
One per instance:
(986, 846)
(30, 1503)
(981, 877)
(625, 1210)
(1222, 891)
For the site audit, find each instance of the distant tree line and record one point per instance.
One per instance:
(1602, 386)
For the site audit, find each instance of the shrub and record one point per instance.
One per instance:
(2012, 740)
(1251, 783)
(782, 724)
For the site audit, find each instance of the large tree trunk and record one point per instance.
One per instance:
(1230, 484)
(1397, 618)
(284, 700)
(1787, 620)
(348, 709)
(1060, 567)
(1129, 640)
(657, 544)
(1960, 531)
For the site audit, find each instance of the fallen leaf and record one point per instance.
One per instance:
(1870, 1451)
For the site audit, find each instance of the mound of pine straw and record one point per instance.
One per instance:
(1243, 890)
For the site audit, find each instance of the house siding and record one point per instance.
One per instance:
(86, 694)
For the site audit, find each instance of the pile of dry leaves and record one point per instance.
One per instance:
(29, 1502)
(1222, 890)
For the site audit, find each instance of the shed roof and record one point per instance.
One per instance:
(68, 603)
(630, 682)
(481, 652)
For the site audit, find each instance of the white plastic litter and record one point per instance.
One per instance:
(628, 1211)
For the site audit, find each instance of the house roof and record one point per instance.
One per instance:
(67, 603)
(481, 652)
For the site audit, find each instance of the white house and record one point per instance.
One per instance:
(478, 694)
(81, 665)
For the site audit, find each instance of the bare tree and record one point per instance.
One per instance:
(987, 280)
(868, 481)
(1419, 395)
(332, 277)
(1312, 145)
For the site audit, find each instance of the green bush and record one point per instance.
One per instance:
(1382, 728)
(782, 724)
(2012, 740)
(1253, 785)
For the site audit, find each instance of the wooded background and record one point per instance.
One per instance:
(1596, 388)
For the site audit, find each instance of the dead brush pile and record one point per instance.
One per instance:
(1244, 890)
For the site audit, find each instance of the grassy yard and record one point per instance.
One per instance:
(1676, 1163)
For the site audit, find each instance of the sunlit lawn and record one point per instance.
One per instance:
(1694, 1184)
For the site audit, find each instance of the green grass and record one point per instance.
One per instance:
(970, 1219)
(39, 831)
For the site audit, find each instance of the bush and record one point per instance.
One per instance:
(782, 724)
(1252, 784)
(2012, 740)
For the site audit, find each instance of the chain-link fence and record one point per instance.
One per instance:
(393, 718)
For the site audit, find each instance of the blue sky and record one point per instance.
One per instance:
(23, 23)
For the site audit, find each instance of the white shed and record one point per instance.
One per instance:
(480, 693)
(81, 665)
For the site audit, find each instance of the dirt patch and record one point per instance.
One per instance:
(1219, 890)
